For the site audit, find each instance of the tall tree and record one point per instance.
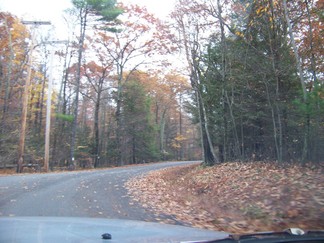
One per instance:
(168, 93)
(302, 17)
(138, 38)
(261, 69)
(191, 21)
(139, 123)
(13, 53)
(97, 76)
(87, 10)
(263, 33)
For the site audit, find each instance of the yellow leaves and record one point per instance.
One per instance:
(240, 34)
(19, 30)
(262, 9)
(270, 19)
(179, 138)
(177, 141)
(12, 45)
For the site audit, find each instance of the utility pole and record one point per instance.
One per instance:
(21, 146)
(48, 105)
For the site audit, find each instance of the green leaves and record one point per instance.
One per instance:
(64, 117)
(109, 14)
(139, 125)
(105, 9)
(80, 4)
(314, 105)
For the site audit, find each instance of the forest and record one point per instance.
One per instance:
(217, 81)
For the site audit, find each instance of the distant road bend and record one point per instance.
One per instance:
(95, 193)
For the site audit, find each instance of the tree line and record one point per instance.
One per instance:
(256, 69)
(222, 80)
(106, 110)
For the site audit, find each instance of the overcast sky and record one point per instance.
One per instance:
(51, 10)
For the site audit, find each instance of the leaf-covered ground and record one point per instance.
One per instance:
(236, 197)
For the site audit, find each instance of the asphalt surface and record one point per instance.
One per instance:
(95, 193)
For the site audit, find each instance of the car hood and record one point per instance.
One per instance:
(66, 229)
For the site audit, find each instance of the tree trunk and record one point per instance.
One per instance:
(276, 113)
(302, 81)
(119, 117)
(237, 150)
(181, 155)
(96, 131)
(83, 25)
(162, 130)
(61, 106)
(209, 157)
(276, 137)
(41, 106)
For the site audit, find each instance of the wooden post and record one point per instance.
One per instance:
(48, 106)
(21, 146)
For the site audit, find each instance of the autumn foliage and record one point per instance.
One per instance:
(235, 197)
(224, 80)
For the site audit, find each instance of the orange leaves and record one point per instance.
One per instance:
(237, 197)
(13, 39)
(141, 36)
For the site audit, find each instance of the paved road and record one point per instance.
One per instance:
(97, 193)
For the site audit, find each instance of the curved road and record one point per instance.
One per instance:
(95, 193)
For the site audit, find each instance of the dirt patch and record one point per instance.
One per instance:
(236, 197)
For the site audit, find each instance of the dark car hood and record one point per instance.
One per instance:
(65, 229)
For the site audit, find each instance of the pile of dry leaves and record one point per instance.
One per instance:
(236, 197)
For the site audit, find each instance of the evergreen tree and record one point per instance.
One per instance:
(139, 126)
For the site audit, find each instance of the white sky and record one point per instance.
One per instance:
(52, 10)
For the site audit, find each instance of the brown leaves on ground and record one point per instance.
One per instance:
(236, 197)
